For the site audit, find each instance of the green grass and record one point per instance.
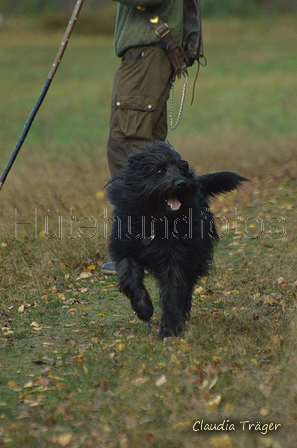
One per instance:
(77, 368)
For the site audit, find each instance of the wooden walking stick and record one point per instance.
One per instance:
(47, 83)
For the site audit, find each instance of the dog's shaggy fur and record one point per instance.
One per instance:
(162, 223)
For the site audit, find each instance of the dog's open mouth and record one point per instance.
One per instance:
(173, 204)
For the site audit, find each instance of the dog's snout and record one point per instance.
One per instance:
(180, 183)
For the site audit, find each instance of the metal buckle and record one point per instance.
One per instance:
(162, 30)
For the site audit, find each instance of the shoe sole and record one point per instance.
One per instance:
(108, 272)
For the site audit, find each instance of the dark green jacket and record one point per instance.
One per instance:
(132, 29)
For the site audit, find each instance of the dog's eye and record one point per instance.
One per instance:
(161, 172)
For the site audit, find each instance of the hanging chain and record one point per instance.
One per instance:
(181, 103)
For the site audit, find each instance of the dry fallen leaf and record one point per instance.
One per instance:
(84, 275)
(264, 412)
(6, 331)
(72, 311)
(182, 425)
(106, 429)
(198, 290)
(204, 384)
(35, 326)
(94, 340)
(221, 442)
(130, 421)
(91, 268)
(174, 360)
(100, 195)
(162, 380)
(213, 383)
(21, 309)
(214, 402)
(275, 341)
(123, 440)
(64, 439)
(265, 389)
(79, 358)
(85, 369)
(120, 347)
(13, 386)
(270, 301)
(268, 443)
(140, 380)
(229, 407)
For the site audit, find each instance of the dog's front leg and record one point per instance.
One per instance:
(175, 302)
(130, 280)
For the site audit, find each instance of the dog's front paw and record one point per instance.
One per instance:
(144, 308)
(170, 325)
(167, 332)
(162, 333)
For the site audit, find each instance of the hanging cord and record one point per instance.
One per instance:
(181, 103)
(203, 62)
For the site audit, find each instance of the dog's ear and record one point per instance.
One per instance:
(215, 183)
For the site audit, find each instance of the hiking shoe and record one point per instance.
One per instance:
(109, 268)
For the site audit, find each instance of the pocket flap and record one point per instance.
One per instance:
(143, 103)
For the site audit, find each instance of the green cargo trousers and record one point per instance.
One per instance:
(138, 103)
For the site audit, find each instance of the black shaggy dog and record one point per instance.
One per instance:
(162, 223)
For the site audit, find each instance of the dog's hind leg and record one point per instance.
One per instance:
(187, 305)
(130, 280)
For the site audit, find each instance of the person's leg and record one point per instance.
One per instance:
(138, 106)
(160, 127)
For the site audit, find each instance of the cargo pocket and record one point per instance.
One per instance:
(132, 117)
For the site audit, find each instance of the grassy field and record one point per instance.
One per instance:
(77, 369)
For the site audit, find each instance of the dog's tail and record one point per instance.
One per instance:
(221, 182)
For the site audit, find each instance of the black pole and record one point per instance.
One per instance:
(41, 97)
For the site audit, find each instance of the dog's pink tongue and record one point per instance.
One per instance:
(174, 203)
